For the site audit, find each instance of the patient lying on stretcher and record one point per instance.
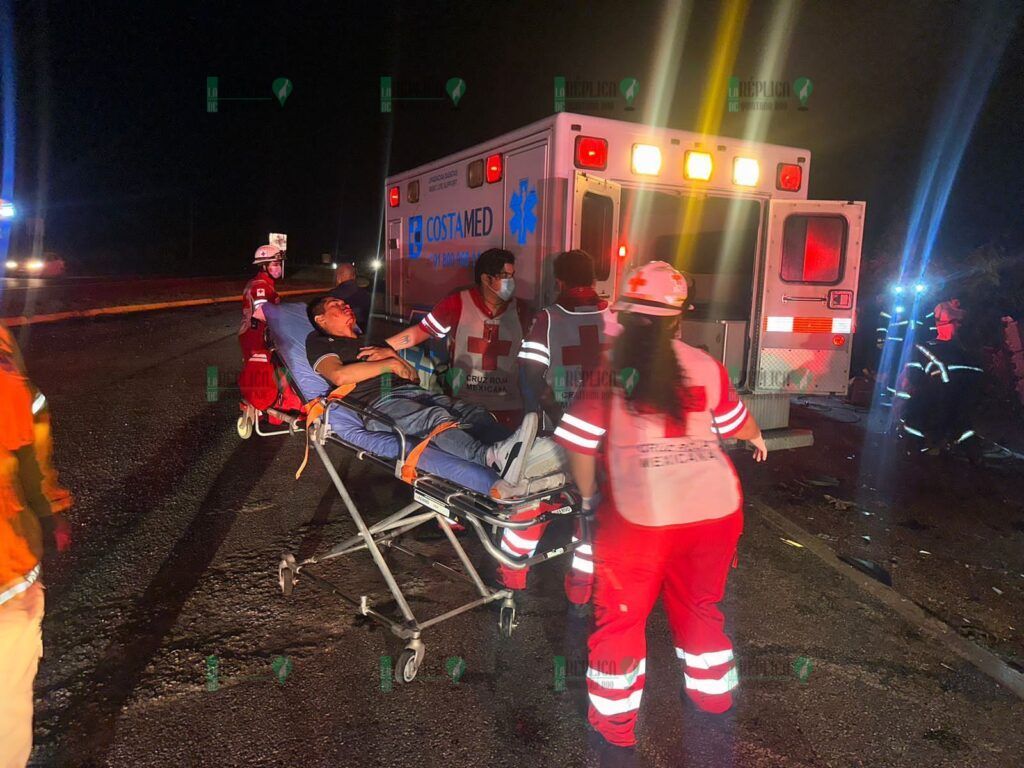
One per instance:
(387, 386)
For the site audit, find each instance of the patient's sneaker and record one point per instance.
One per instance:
(508, 458)
(546, 458)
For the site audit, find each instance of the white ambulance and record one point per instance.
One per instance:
(774, 275)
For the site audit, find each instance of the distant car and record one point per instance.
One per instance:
(47, 265)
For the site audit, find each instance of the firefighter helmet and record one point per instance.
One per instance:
(268, 253)
(653, 289)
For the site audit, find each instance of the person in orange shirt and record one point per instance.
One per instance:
(29, 498)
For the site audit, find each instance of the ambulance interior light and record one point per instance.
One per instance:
(646, 159)
(697, 166)
(622, 251)
(745, 171)
(591, 152)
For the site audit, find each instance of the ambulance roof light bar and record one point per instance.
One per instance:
(494, 169)
(745, 171)
(697, 166)
(646, 160)
(789, 177)
(591, 153)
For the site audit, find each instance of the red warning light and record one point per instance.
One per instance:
(838, 340)
(494, 167)
(789, 177)
(393, 197)
(591, 152)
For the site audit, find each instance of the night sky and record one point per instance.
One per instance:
(114, 133)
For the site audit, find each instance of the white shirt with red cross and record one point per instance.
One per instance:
(658, 471)
(482, 345)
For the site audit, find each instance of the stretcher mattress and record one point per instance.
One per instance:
(289, 328)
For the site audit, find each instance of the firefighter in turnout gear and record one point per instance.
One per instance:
(670, 510)
(565, 343)
(940, 387)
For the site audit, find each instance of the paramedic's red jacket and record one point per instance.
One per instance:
(258, 291)
(714, 411)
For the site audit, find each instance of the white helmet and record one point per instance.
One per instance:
(655, 288)
(268, 253)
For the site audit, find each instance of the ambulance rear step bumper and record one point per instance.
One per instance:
(782, 439)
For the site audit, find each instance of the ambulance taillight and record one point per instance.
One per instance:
(591, 153)
(745, 171)
(494, 168)
(789, 177)
(394, 197)
(697, 166)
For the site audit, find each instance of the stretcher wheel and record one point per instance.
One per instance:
(507, 620)
(286, 574)
(407, 667)
(244, 427)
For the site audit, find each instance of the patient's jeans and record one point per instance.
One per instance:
(416, 412)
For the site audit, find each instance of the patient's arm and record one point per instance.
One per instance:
(332, 369)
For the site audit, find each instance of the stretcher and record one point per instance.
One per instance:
(445, 490)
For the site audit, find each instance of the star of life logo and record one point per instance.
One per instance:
(523, 221)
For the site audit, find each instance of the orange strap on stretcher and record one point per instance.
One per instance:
(314, 410)
(409, 467)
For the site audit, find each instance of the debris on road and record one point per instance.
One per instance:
(923, 552)
(822, 481)
(997, 590)
(792, 543)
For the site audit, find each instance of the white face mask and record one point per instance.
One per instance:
(508, 287)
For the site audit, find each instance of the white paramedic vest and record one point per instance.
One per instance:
(575, 339)
(485, 350)
(660, 481)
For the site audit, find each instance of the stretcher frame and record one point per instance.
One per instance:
(434, 499)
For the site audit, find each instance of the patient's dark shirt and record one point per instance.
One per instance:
(319, 346)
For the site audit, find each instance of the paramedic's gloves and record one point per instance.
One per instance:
(59, 529)
(760, 449)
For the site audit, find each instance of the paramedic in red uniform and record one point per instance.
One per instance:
(670, 511)
(258, 291)
(484, 327)
(564, 343)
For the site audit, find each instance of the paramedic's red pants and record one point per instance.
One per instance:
(579, 579)
(687, 565)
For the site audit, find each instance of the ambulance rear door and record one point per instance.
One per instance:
(595, 227)
(808, 297)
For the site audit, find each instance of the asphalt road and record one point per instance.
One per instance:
(167, 641)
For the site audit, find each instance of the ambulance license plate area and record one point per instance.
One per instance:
(431, 503)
